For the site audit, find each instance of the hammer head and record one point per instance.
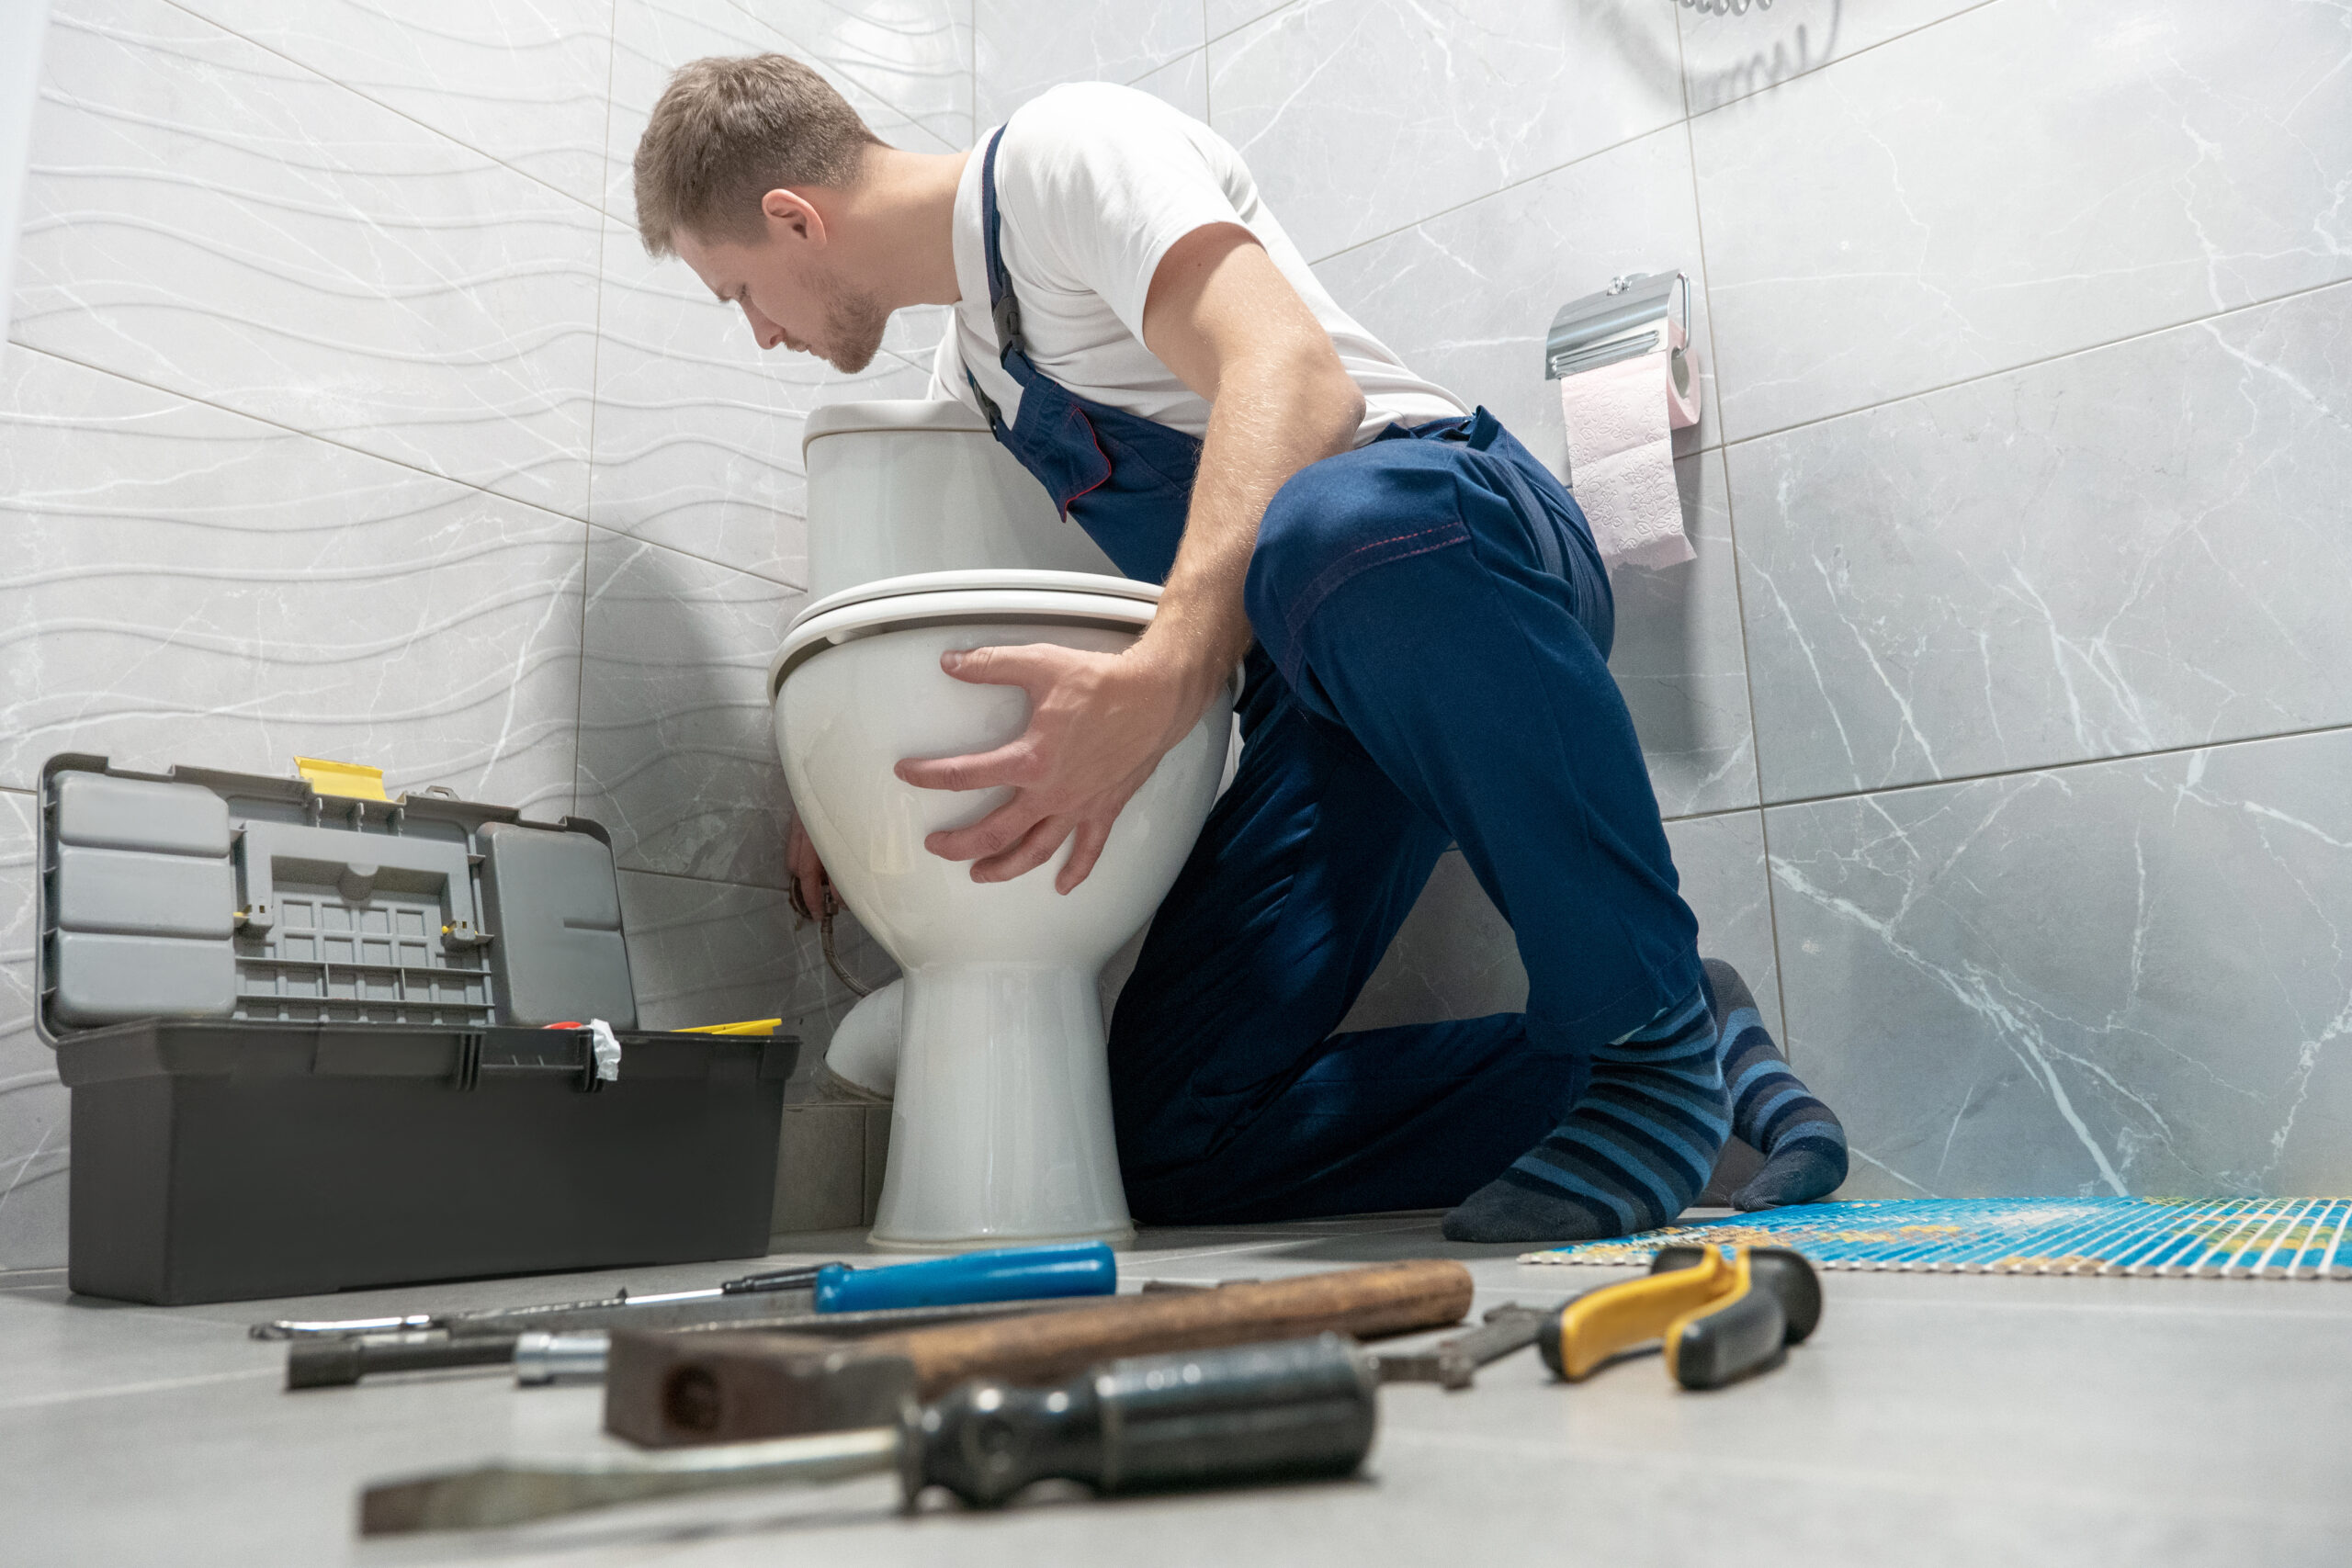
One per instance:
(667, 1390)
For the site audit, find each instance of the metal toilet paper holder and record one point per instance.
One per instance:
(1632, 316)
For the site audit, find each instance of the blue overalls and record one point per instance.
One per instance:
(1432, 628)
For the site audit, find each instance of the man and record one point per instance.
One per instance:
(1424, 624)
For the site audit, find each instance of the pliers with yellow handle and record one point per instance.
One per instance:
(1723, 1312)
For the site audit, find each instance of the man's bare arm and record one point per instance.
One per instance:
(1220, 315)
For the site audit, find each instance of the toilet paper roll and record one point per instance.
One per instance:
(1620, 420)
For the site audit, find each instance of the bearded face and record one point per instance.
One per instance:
(854, 322)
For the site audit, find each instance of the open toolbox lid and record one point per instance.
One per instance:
(203, 894)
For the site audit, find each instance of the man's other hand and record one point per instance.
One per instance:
(812, 890)
(1099, 722)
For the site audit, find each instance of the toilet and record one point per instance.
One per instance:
(924, 537)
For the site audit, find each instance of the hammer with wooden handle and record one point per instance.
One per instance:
(662, 1390)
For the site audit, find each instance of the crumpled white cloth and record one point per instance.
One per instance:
(607, 1047)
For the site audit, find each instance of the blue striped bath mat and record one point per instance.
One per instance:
(2212, 1238)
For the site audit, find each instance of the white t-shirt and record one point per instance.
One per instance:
(1095, 184)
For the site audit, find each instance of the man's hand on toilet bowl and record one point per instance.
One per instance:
(1225, 320)
(1099, 722)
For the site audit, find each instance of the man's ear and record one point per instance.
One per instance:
(791, 213)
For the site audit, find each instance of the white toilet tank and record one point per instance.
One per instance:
(904, 487)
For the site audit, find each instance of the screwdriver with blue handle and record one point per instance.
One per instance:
(1722, 1313)
(329, 1355)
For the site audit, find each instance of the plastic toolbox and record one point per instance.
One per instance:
(302, 1031)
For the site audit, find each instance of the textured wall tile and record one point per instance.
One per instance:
(209, 216)
(1455, 957)
(521, 79)
(913, 55)
(2019, 180)
(1679, 661)
(653, 38)
(713, 953)
(677, 744)
(698, 430)
(1019, 49)
(2128, 977)
(716, 953)
(33, 1123)
(2137, 547)
(185, 585)
(1358, 117)
(1466, 298)
(1183, 82)
(1728, 56)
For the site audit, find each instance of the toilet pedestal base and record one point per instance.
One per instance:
(1000, 1131)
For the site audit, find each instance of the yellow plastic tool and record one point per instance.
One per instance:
(752, 1026)
(1613, 1319)
(1724, 1313)
(351, 779)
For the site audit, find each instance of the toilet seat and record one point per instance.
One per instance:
(966, 598)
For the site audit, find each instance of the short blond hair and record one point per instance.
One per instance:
(729, 131)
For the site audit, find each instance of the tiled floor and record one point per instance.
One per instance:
(1932, 1420)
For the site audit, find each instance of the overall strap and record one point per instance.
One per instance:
(1004, 310)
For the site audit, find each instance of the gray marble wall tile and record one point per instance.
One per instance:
(677, 745)
(524, 81)
(698, 430)
(865, 962)
(33, 1123)
(187, 585)
(1455, 957)
(1724, 881)
(2019, 180)
(1360, 117)
(1728, 56)
(1224, 15)
(653, 38)
(1183, 82)
(2125, 976)
(1466, 298)
(209, 216)
(1679, 658)
(2136, 547)
(1019, 50)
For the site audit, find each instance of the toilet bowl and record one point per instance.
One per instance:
(1000, 1125)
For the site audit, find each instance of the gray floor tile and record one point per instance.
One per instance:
(1933, 1419)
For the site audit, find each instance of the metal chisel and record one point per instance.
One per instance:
(1291, 1410)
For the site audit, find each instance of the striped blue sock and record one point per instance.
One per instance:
(1803, 1141)
(1634, 1150)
